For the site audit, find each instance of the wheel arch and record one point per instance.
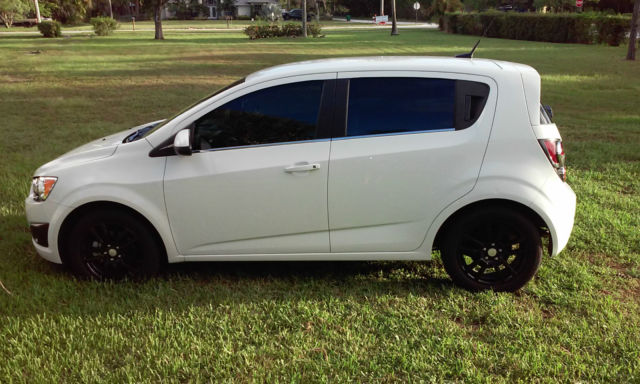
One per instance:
(537, 220)
(78, 212)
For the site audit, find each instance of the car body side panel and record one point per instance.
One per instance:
(385, 191)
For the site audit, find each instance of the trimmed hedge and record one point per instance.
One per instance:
(50, 29)
(103, 26)
(555, 28)
(264, 31)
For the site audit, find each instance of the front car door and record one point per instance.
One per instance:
(412, 143)
(256, 182)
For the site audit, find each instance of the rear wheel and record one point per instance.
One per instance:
(112, 244)
(492, 248)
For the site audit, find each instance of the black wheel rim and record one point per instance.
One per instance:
(110, 251)
(492, 253)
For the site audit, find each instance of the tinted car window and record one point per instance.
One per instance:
(278, 114)
(393, 105)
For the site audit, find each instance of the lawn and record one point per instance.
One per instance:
(577, 321)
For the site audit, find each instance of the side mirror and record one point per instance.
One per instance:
(182, 143)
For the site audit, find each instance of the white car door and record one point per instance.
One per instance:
(256, 182)
(411, 144)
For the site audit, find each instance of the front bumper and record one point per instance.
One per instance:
(42, 217)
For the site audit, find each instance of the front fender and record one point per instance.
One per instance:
(148, 202)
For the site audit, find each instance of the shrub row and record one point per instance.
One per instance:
(555, 28)
(103, 26)
(50, 29)
(263, 31)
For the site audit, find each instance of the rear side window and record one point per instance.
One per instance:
(393, 105)
(279, 114)
(397, 105)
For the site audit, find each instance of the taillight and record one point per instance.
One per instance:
(555, 153)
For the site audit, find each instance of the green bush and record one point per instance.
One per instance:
(291, 30)
(103, 26)
(264, 31)
(50, 29)
(555, 28)
(313, 29)
(612, 29)
(243, 17)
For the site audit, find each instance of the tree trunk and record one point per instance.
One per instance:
(317, 12)
(633, 35)
(304, 18)
(158, 21)
(381, 7)
(110, 10)
(394, 22)
(38, 18)
(7, 19)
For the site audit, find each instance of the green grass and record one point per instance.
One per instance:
(577, 321)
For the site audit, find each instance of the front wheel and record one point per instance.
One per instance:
(112, 244)
(492, 248)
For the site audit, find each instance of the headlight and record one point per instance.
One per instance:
(42, 186)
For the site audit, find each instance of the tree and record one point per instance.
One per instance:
(631, 52)
(394, 20)
(37, 9)
(69, 11)
(304, 18)
(10, 9)
(157, 18)
(156, 6)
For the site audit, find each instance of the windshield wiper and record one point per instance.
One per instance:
(138, 134)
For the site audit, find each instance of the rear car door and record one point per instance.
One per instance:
(410, 144)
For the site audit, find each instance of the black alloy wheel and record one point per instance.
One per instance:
(112, 245)
(492, 248)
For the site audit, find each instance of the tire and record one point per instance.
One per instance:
(112, 245)
(492, 248)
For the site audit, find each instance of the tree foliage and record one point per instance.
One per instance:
(11, 9)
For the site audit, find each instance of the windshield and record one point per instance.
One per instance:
(193, 105)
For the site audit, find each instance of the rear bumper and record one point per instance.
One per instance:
(561, 212)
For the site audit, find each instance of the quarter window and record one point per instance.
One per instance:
(394, 105)
(284, 113)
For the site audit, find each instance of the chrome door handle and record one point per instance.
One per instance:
(302, 168)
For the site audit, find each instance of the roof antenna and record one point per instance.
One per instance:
(469, 55)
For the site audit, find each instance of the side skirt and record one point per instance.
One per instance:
(314, 257)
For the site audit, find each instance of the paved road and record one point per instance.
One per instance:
(406, 24)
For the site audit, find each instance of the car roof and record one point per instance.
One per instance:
(485, 67)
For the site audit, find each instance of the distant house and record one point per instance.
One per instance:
(244, 8)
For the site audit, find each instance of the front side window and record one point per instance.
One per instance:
(393, 105)
(280, 114)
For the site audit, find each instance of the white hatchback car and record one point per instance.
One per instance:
(379, 158)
